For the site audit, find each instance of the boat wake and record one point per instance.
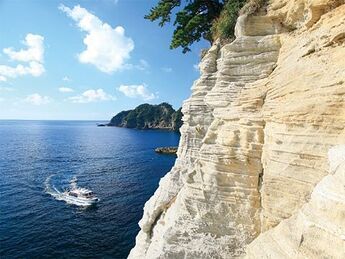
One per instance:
(51, 189)
(64, 195)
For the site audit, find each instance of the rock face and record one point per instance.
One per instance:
(253, 150)
(318, 228)
(197, 117)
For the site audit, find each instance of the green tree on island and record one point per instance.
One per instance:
(197, 19)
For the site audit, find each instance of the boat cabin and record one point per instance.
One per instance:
(81, 193)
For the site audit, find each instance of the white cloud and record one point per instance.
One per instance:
(142, 65)
(107, 48)
(91, 96)
(35, 69)
(66, 90)
(167, 69)
(37, 99)
(33, 55)
(196, 67)
(66, 79)
(6, 89)
(137, 91)
(34, 51)
(2, 99)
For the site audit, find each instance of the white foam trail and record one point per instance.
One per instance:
(61, 196)
(52, 189)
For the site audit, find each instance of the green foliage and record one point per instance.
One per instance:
(163, 11)
(149, 116)
(177, 119)
(193, 21)
(201, 19)
(224, 26)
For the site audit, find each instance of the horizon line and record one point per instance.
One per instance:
(49, 120)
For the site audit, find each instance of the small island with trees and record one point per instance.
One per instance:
(148, 116)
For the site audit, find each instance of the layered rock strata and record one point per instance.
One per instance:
(197, 117)
(257, 129)
(304, 112)
(317, 230)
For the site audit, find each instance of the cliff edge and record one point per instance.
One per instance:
(252, 176)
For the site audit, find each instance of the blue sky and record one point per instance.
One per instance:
(87, 60)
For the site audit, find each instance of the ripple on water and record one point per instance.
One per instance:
(119, 165)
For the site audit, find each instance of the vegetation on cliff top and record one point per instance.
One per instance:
(147, 116)
(223, 27)
(201, 19)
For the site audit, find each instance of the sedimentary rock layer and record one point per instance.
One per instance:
(304, 112)
(317, 230)
(197, 117)
(257, 129)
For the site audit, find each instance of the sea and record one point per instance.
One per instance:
(38, 161)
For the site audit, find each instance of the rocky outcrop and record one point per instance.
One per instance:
(257, 129)
(148, 116)
(166, 150)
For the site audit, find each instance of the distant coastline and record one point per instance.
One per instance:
(147, 116)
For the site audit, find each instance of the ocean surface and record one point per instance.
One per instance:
(39, 158)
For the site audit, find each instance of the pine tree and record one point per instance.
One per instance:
(193, 21)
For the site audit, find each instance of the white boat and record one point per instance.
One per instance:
(80, 197)
(73, 195)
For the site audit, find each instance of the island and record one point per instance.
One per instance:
(148, 116)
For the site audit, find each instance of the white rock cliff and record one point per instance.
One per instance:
(251, 174)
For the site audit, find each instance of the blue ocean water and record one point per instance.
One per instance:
(118, 164)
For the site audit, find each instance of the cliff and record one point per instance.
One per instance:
(147, 116)
(252, 177)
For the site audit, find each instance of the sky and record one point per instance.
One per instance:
(87, 60)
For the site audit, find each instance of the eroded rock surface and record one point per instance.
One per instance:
(317, 230)
(197, 117)
(257, 129)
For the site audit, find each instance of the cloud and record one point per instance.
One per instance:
(91, 96)
(142, 65)
(107, 48)
(6, 89)
(137, 91)
(33, 55)
(167, 69)
(66, 79)
(34, 51)
(34, 69)
(37, 99)
(66, 90)
(196, 67)
(2, 99)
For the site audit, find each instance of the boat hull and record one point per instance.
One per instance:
(79, 201)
